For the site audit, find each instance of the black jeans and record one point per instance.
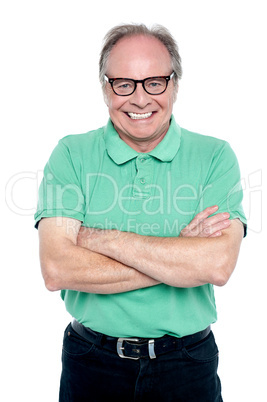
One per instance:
(91, 373)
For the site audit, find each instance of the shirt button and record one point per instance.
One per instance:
(142, 181)
(142, 160)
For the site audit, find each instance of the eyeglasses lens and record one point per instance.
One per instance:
(153, 86)
(123, 87)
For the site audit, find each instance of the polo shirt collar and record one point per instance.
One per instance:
(120, 152)
(169, 146)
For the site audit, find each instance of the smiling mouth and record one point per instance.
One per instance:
(137, 116)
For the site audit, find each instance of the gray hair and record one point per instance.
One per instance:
(126, 30)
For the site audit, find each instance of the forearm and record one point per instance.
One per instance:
(67, 265)
(85, 271)
(180, 262)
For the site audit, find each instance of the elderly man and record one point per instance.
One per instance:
(137, 221)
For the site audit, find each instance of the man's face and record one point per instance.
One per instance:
(140, 57)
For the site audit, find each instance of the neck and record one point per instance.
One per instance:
(142, 145)
(145, 146)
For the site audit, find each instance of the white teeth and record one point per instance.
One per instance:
(136, 116)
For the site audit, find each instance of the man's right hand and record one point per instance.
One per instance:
(204, 225)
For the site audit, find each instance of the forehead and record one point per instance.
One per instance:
(139, 57)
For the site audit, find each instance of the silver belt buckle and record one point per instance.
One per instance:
(120, 348)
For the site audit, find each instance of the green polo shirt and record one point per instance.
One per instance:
(101, 181)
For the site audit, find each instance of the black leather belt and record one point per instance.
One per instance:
(136, 348)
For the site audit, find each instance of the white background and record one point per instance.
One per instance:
(49, 88)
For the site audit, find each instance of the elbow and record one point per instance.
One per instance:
(51, 285)
(222, 272)
(50, 276)
(220, 279)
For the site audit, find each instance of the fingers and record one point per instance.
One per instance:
(200, 217)
(212, 228)
(204, 225)
(216, 234)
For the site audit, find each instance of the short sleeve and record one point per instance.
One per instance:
(223, 185)
(60, 192)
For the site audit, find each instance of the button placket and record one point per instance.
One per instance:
(143, 177)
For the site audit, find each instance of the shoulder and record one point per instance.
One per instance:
(84, 140)
(78, 147)
(75, 149)
(200, 140)
(205, 146)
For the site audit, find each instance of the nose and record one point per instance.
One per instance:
(140, 97)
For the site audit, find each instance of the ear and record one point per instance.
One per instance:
(175, 92)
(105, 96)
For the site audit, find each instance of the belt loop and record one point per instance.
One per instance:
(151, 349)
(100, 340)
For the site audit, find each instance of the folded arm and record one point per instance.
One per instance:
(109, 261)
(189, 260)
(66, 265)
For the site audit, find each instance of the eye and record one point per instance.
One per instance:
(155, 83)
(123, 84)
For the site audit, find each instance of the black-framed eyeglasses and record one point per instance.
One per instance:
(152, 85)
